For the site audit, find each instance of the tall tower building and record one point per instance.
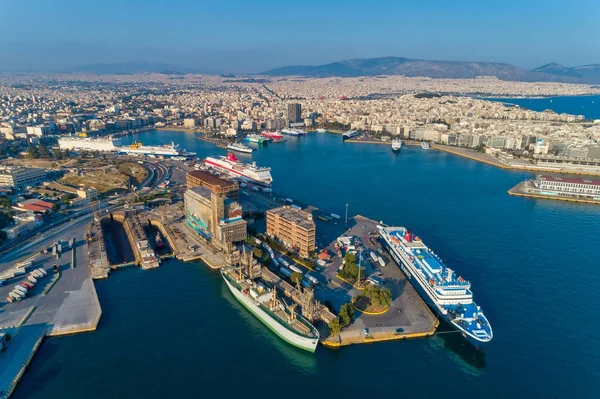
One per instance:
(294, 113)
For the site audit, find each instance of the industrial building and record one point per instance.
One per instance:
(568, 185)
(85, 143)
(214, 216)
(200, 178)
(293, 227)
(19, 178)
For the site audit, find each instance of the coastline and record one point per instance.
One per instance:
(491, 161)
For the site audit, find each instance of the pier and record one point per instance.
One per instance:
(526, 189)
(407, 316)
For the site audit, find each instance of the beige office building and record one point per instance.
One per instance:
(292, 227)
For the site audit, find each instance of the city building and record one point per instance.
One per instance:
(19, 178)
(293, 227)
(200, 178)
(89, 144)
(294, 113)
(215, 217)
(190, 123)
(568, 186)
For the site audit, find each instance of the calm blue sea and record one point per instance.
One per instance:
(534, 266)
(588, 106)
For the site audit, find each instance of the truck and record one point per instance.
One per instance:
(32, 279)
(295, 269)
(381, 261)
(312, 279)
(36, 274)
(285, 272)
(41, 270)
(20, 289)
(284, 262)
(59, 248)
(275, 262)
(374, 257)
(27, 284)
(25, 265)
(15, 295)
(54, 253)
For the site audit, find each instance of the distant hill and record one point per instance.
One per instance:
(588, 73)
(137, 67)
(432, 69)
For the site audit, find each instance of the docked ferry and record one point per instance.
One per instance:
(166, 150)
(396, 145)
(236, 168)
(446, 293)
(350, 133)
(275, 137)
(239, 147)
(264, 303)
(293, 132)
(255, 138)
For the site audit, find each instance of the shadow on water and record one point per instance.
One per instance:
(470, 359)
(303, 360)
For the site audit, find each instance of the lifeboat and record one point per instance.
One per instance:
(412, 259)
(431, 282)
(460, 279)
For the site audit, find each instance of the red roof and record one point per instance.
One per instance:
(34, 208)
(574, 180)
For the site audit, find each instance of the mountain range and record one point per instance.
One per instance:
(552, 72)
(443, 69)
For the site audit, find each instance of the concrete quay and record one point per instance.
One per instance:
(407, 317)
(62, 303)
(526, 189)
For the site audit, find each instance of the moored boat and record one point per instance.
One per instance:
(272, 311)
(449, 295)
(239, 147)
(396, 145)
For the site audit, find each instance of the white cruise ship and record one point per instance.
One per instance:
(166, 150)
(239, 147)
(236, 168)
(84, 143)
(449, 295)
(350, 133)
(396, 145)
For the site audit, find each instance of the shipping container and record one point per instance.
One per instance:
(37, 274)
(284, 262)
(10, 299)
(19, 271)
(306, 284)
(44, 272)
(32, 279)
(26, 285)
(15, 295)
(275, 262)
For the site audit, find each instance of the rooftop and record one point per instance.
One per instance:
(572, 180)
(210, 179)
(300, 217)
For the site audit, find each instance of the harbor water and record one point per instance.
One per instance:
(533, 264)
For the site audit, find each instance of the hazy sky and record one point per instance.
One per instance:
(251, 36)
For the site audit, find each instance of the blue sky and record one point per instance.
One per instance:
(251, 36)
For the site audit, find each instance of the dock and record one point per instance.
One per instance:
(526, 189)
(60, 303)
(407, 317)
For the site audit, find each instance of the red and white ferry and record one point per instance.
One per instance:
(236, 168)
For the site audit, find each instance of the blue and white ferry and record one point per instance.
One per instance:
(446, 293)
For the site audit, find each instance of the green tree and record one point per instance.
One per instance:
(335, 327)
(55, 207)
(43, 151)
(32, 152)
(296, 277)
(380, 298)
(346, 314)
(257, 253)
(5, 202)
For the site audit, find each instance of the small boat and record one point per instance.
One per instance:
(396, 145)
(321, 131)
(159, 241)
(239, 147)
(425, 145)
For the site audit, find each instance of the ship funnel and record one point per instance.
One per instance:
(232, 157)
(408, 236)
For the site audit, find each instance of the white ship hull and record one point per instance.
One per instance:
(242, 172)
(308, 344)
